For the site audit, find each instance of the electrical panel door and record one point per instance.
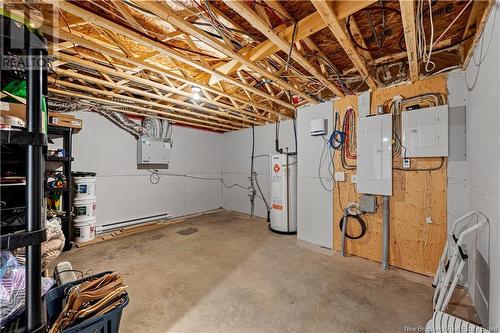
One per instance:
(374, 161)
(425, 132)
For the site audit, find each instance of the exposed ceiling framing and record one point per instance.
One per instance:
(253, 61)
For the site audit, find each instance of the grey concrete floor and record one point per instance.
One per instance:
(234, 275)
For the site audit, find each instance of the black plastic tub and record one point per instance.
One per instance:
(107, 323)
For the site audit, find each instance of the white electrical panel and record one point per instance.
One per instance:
(318, 127)
(153, 152)
(374, 148)
(364, 104)
(425, 132)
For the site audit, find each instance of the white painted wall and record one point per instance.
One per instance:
(458, 185)
(458, 195)
(314, 203)
(237, 148)
(483, 147)
(126, 193)
(315, 207)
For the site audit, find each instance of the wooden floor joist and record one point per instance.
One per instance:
(330, 17)
(306, 27)
(249, 15)
(156, 68)
(253, 62)
(154, 45)
(139, 110)
(103, 83)
(410, 32)
(163, 87)
(163, 11)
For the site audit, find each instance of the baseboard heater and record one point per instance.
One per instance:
(127, 223)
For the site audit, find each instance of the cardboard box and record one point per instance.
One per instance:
(13, 109)
(56, 119)
(65, 120)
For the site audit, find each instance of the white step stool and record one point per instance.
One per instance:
(450, 269)
(444, 323)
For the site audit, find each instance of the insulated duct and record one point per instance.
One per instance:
(152, 127)
(59, 106)
(166, 129)
(157, 128)
(124, 122)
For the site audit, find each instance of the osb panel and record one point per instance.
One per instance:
(325, 40)
(239, 20)
(414, 244)
(444, 12)
(393, 27)
(298, 9)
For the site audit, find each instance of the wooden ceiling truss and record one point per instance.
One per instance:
(253, 61)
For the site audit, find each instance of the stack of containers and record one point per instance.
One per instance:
(84, 205)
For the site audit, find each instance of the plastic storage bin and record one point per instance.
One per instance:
(107, 323)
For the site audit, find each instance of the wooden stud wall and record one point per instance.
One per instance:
(414, 244)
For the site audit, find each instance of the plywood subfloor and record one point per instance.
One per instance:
(233, 275)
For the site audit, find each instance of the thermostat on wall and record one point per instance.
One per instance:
(318, 127)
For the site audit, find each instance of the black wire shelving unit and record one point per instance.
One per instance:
(53, 163)
(17, 40)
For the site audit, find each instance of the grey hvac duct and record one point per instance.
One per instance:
(124, 122)
(166, 129)
(157, 128)
(152, 127)
(58, 106)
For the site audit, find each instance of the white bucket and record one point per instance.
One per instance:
(84, 231)
(84, 209)
(84, 187)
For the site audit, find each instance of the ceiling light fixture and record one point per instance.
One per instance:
(196, 92)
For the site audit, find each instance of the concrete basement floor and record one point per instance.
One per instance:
(234, 275)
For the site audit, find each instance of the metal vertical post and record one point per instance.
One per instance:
(34, 193)
(287, 170)
(68, 195)
(344, 228)
(385, 243)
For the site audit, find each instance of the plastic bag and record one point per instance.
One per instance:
(53, 246)
(8, 261)
(13, 288)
